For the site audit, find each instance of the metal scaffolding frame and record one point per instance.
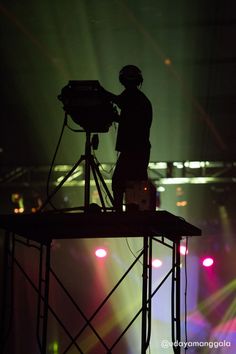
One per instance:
(170, 172)
(154, 223)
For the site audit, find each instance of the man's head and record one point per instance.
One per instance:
(130, 76)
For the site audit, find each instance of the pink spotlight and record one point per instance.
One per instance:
(156, 263)
(183, 250)
(101, 253)
(208, 262)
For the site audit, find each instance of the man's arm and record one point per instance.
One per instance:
(111, 96)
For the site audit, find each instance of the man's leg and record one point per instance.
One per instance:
(118, 182)
(130, 166)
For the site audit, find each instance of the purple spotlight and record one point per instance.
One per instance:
(207, 261)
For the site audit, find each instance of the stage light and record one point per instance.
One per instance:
(156, 263)
(18, 201)
(182, 203)
(101, 253)
(183, 250)
(180, 194)
(207, 262)
(54, 348)
(19, 210)
(167, 61)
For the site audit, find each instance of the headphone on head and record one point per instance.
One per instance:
(130, 75)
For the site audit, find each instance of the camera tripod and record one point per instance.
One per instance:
(90, 165)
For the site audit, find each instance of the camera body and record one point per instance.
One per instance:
(85, 102)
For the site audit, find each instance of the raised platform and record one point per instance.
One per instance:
(43, 227)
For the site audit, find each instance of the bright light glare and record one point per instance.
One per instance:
(183, 250)
(167, 61)
(156, 263)
(100, 253)
(207, 262)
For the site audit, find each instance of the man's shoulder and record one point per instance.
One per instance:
(135, 93)
(144, 101)
(144, 96)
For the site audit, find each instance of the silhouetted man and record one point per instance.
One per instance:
(133, 133)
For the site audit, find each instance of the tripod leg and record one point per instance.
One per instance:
(98, 176)
(98, 186)
(61, 184)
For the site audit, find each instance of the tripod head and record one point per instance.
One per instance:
(85, 102)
